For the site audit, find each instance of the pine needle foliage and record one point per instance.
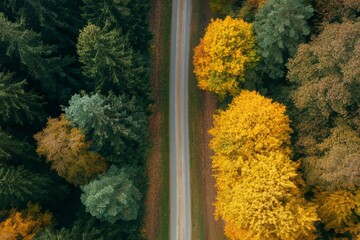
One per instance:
(26, 47)
(111, 64)
(18, 186)
(116, 124)
(280, 26)
(112, 196)
(16, 103)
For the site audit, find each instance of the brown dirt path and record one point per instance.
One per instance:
(156, 123)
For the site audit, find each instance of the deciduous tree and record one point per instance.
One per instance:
(224, 53)
(25, 224)
(339, 210)
(326, 71)
(257, 183)
(68, 152)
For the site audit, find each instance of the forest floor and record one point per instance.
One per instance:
(202, 106)
(156, 222)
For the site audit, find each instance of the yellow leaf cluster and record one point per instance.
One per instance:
(68, 152)
(220, 60)
(251, 125)
(339, 210)
(24, 225)
(257, 192)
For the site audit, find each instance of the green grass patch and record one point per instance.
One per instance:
(164, 101)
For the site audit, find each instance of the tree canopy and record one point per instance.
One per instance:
(224, 53)
(112, 196)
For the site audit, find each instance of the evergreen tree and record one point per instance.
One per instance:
(129, 17)
(111, 63)
(112, 196)
(18, 186)
(25, 47)
(117, 125)
(58, 21)
(9, 146)
(15, 101)
(280, 26)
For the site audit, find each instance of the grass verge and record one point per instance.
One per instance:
(164, 101)
(198, 23)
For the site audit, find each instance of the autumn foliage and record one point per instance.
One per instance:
(224, 53)
(25, 224)
(257, 192)
(68, 152)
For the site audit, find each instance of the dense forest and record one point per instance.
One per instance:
(74, 95)
(286, 136)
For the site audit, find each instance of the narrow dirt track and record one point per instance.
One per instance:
(180, 205)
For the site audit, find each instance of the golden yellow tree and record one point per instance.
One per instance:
(24, 225)
(225, 51)
(340, 210)
(257, 183)
(68, 152)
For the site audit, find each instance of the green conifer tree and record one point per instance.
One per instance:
(19, 186)
(26, 48)
(112, 196)
(280, 26)
(116, 124)
(111, 63)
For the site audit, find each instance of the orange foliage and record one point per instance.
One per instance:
(220, 60)
(24, 225)
(68, 152)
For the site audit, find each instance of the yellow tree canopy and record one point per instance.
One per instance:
(68, 152)
(257, 183)
(225, 51)
(340, 210)
(24, 225)
(251, 125)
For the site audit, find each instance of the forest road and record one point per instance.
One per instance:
(180, 201)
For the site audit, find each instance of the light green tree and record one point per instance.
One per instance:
(112, 196)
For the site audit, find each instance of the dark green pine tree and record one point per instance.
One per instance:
(9, 146)
(130, 17)
(16, 103)
(25, 48)
(19, 186)
(116, 124)
(111, 63)
(58, 21)
(280, 26)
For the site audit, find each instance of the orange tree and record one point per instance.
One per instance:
(25, 224)
(225, 51)
(68, 152)
(257, 183)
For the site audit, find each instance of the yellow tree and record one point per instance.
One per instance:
(24, 225)
(68, 152)
(340, 210)
(257, 183)
(225, 51)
